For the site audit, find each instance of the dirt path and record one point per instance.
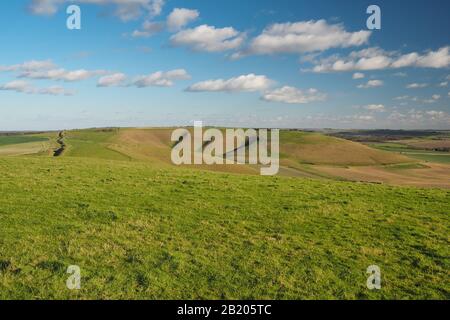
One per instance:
(61, 143)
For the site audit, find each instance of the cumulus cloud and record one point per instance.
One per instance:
(416, 117)
(434, 98)
(416, 85)
(32, 65)
(208, 38)
(371, 84)
(111, 80)
(244, 83)
(180, 17)
(47, 70)
(303, 37)
(293, 95)
(61, 74)
(148, 29)
(25, 87)
(361, 117)
(375, 107)
(18, 86)
(161, 79)
(437, 115)
(125, 9)
(378, 59)
(358, 75)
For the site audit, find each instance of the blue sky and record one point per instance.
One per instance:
(302, 64)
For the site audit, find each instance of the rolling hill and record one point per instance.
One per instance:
(139, 227)
(302, 154)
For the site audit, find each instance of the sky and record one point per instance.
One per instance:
(247, 63)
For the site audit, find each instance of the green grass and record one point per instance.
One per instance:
(424, 155)
(434, 157)
(406, 166)
(9, 140)
(140, 232)
(92, 144)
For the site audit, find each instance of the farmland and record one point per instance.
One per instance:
(141, 228)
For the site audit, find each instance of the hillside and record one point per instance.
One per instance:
(302, 154)
(138, 231)
(317, 148)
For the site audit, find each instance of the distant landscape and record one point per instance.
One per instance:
(112, 202)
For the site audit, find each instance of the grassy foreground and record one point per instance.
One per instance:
(142, 232)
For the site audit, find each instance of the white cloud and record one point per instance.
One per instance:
(416, 85)
(32, 65)
(434, 98)
(371, 84)
(148, 29)
(115, 79)
(443, 84)
(125, 9)
(180, 17)
(401, 98)
(375, 107)
(378, 59)
(363, 117)
(161, 79)
(209, 38)
(18, 86)
(61, 74)
(244, 83)
(304, 36)
(418, 117)
(25, 87)
(47, 70)
(358, 75)
(293, 95)
(55, 91)
(438, 116)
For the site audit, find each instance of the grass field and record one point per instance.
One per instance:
(141, 232)
(415, 151)
(18, 139)
(140, 227)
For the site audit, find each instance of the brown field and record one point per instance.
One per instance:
(426, 144)
(430, 175)
(24, 149)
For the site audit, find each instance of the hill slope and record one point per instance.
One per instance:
(303, 154)
(316, 148)
(141, 232)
